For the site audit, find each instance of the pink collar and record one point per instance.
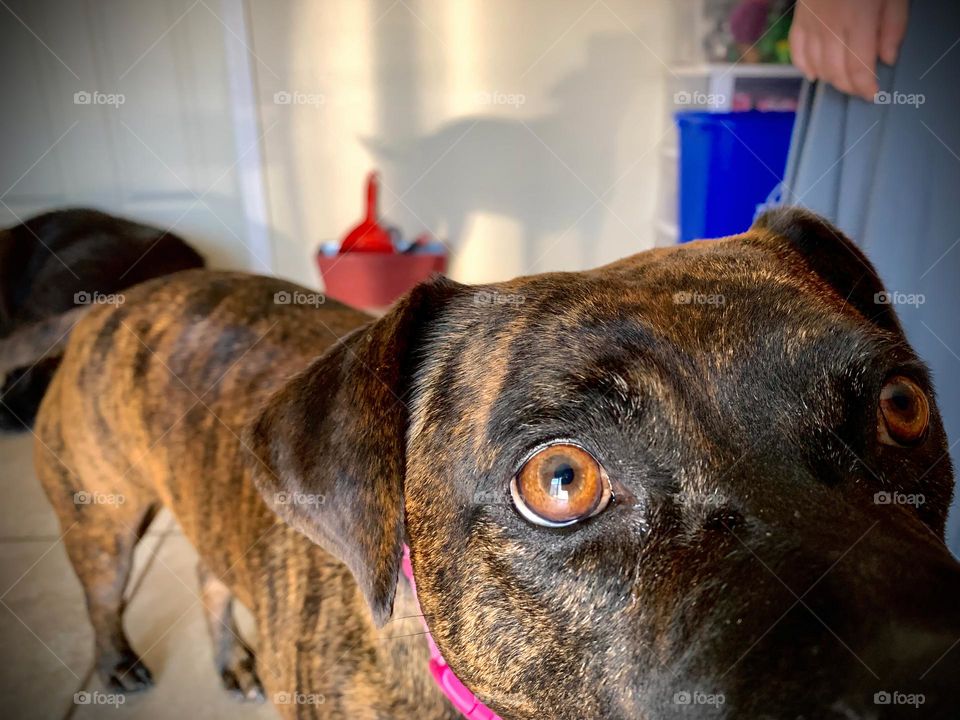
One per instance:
(458, 694)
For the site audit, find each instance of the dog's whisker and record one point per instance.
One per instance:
(398, 637)
(407, 617)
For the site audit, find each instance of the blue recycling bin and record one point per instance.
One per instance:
(730, 162)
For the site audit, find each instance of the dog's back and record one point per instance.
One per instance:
(50, 262)
(147, 410)
(50, 257)
(179, 369)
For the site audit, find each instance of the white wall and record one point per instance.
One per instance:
(525, 131)
(164, 151)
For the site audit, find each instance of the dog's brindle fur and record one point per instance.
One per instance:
(45, 263)
(300, 447)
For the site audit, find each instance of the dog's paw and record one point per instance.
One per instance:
(127, 675)
(240, 678)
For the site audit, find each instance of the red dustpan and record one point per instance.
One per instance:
(369, 235)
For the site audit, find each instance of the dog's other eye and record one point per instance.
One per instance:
(560, 485)
(904, 412)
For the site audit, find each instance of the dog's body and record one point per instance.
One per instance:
(51, 260)
(164, 426)
(203, 394)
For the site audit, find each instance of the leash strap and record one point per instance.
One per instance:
(458, 693)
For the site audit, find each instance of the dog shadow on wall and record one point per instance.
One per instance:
(543, 171)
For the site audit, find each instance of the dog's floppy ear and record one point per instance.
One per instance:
(835, 259)
(330, 444)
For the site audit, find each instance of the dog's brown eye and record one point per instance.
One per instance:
(560, 485)
(904, 412)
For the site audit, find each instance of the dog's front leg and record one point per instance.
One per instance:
(233, 658)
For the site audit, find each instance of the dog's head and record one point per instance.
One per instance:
(712, 476)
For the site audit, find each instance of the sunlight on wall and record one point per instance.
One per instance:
(520, 132)
(491, 245)
(491, 251)
(460, 24)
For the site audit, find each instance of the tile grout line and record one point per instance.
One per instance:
(161, 539)
(23, 539)
(80, 688)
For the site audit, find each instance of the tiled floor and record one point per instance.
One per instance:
(46, 643)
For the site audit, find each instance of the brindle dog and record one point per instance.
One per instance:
(701, 535)
(48, 264)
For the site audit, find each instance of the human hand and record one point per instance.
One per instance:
(839, 41)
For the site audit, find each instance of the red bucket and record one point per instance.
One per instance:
(371, 280)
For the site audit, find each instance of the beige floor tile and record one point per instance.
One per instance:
(164, 523)
(47, 641)
(166, 627)
(148, 546)
(29, 515)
